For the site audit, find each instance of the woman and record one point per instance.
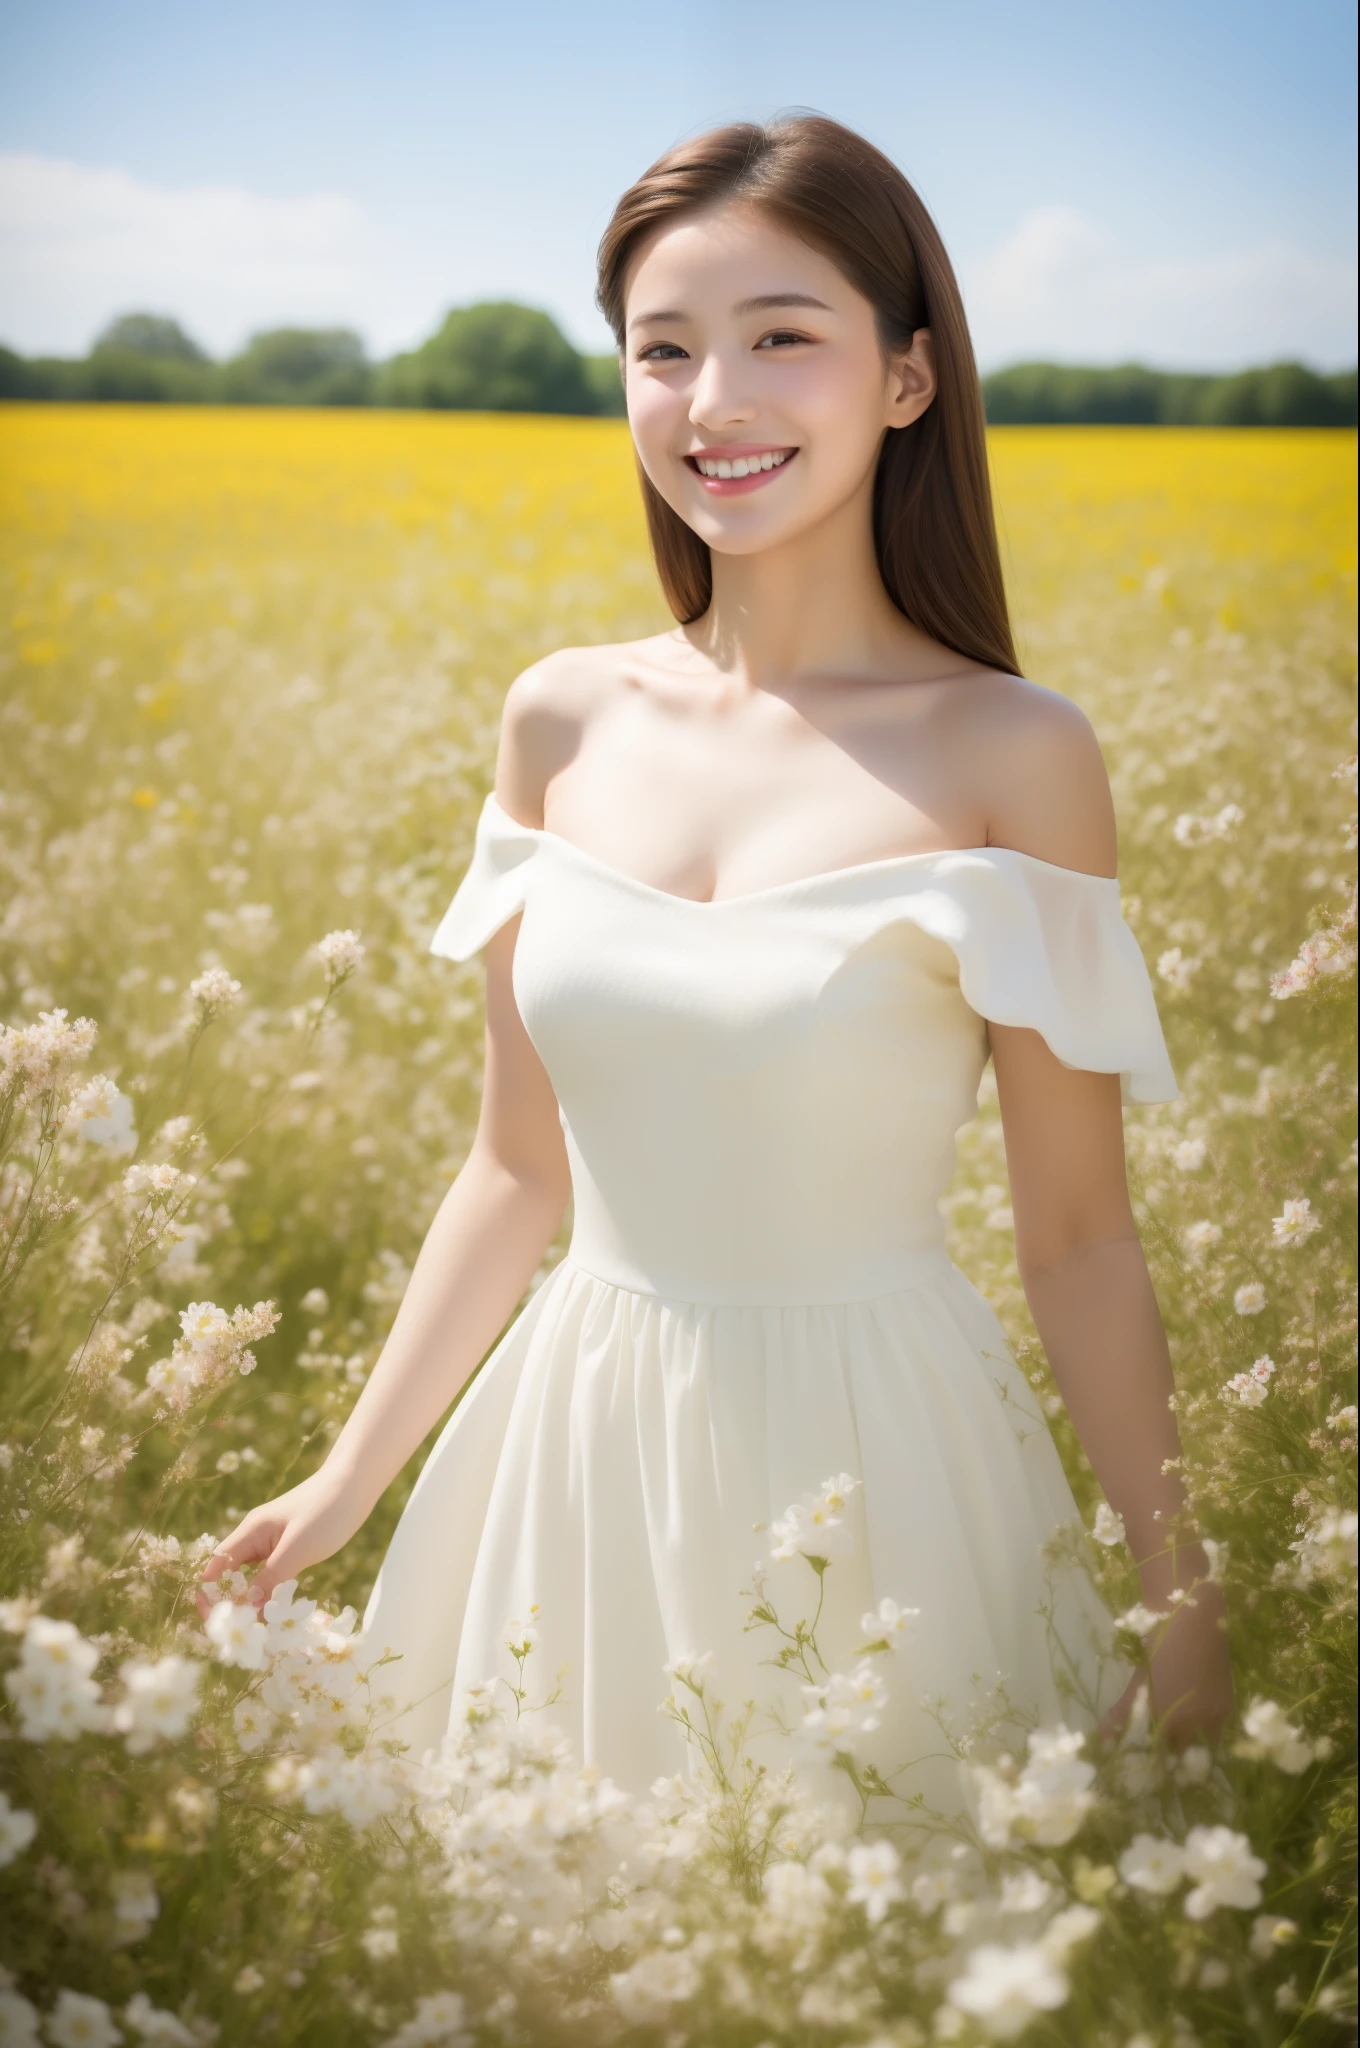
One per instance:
(757, 897)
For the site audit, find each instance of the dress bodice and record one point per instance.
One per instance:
(760, 1094)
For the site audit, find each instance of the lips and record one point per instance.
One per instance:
(738, 469)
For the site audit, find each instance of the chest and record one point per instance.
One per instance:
(710, 814)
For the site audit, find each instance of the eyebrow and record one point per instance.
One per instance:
(767, 302)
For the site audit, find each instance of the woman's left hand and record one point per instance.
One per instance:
(1192, 1682)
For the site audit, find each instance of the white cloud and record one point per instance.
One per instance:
(79, 244)
(1062, 286)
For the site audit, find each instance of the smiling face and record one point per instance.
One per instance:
(758, 389)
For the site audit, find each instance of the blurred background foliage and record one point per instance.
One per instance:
(503, 357)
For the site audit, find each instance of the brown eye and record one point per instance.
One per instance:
(662, 352)
(781, 338)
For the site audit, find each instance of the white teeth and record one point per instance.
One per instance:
(749, 465)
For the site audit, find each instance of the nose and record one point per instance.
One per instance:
(717, 398)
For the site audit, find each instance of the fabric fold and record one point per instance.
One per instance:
(1039, 946)
(493, 887)
(1046, 948)
(611, 1479)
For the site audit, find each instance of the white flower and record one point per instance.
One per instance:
(1250, 1388)
(1024, 1891)
(76, 2021)
(874, 1882)
(246, 1980)
(135, 1900)
(1271, 1735)
(1066, 1929)
(1053, 1793)
(157, 1179)
(380, 1942)
(58, 1645)
(253, 1723)
(156, 2026)
(1188, 830)
(646, 1993)
(340, 954)
(52, 1686)
(1188, 1156)
(1270, 1931)
(816, 1527)
(1176, 970)
(1327, 1549)
(237, 1635)
(17, 1829)
(1249, 1300)
(360, 1791)
(203, 1325)
(1140, 1620)
(1006, 1988)
(795, 1895)
(1153, 1863)
(1049, 1800)
(1201, 1237)
(1194, 1765)
(848, 1705)
(36, 1057)
(18, 2019)
(438, 2020)
(315, 1301)
(287, 1618)
(887, 1628)
(211, 1345)
(102, 1115)
(1224, 1870)
(1295, 1222)
(1109, 1526)
(1330, 951)
(160, 1700)
(212, 992)
(691, 1671)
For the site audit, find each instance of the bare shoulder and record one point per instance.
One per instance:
(1041, 773)
(548, 709)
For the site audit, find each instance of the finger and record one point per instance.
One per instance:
(286, 1560)
(249, 1541)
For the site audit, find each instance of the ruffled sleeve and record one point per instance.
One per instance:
(493, 887)
(1049, 948)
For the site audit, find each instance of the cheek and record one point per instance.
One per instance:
(839, 400)
(652, 413)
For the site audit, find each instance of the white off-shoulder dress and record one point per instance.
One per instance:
(760, 1097)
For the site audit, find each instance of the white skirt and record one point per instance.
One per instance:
(610, 1478)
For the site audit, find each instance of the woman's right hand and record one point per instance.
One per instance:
(308, 1523)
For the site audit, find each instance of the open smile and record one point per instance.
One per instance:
(730, 472)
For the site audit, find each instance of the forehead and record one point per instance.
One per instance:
(701, 255)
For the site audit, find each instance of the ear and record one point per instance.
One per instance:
(911, 380)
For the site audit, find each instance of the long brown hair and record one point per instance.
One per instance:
(934, 529)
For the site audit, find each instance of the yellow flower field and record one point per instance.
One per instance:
(250, 673)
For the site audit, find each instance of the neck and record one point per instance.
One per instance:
(815, 605)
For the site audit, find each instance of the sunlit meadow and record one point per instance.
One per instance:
(250, 677)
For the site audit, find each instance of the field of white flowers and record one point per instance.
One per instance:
(250, 672)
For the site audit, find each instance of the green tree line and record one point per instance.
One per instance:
(503, 357)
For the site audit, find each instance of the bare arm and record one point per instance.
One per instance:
(479, 1254)
(482, 1249)
(1082, 1265)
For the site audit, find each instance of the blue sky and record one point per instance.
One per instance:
(1173, 181)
